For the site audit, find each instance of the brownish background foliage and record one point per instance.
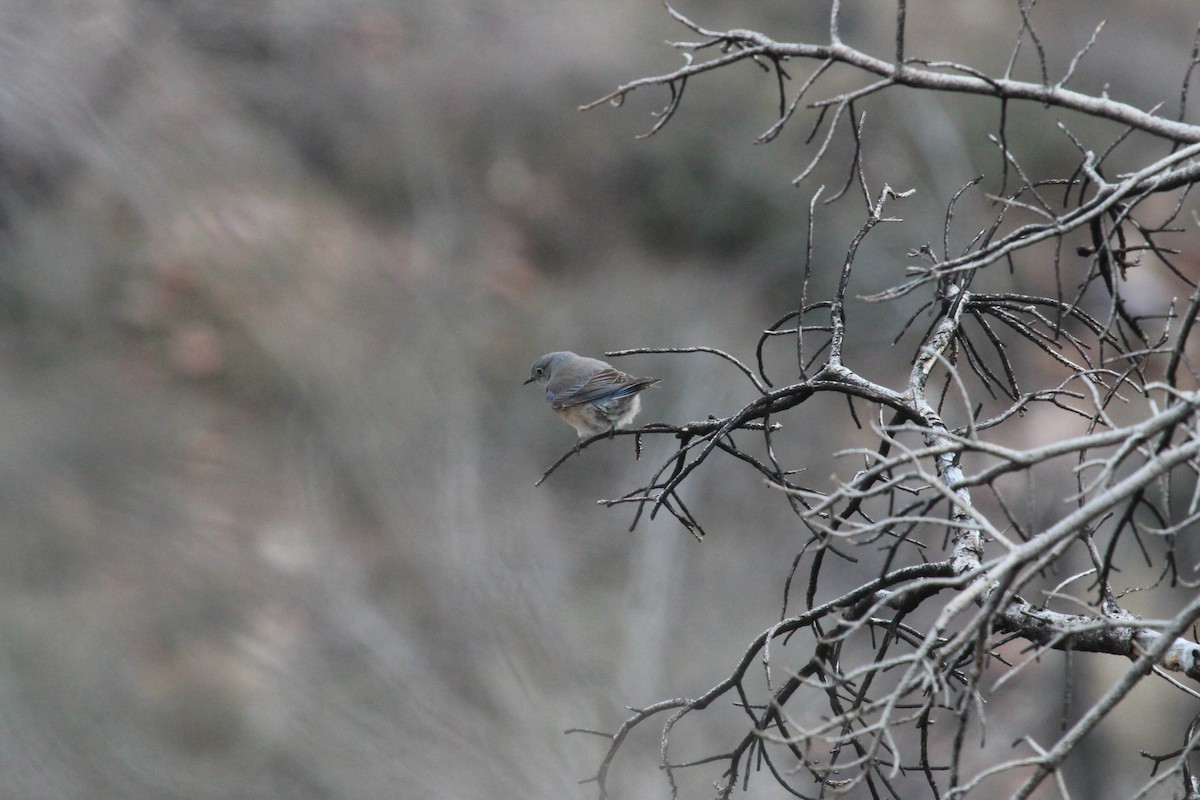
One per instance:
(272, 275)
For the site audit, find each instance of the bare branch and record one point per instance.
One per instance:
(1077, 373)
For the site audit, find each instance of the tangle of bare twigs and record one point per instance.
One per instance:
(897, 664)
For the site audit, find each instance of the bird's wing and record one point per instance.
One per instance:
(602, 385)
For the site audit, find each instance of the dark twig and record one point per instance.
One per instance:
(940, 510)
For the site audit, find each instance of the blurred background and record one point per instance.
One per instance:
(272, 273)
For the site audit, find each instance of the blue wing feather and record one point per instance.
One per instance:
(605, 384)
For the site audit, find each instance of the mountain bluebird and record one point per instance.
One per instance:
(589, 395)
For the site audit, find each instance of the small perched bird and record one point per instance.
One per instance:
(589, 395)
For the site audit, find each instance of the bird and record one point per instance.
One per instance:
(591, 396)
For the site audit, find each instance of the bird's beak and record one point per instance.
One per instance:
(527, 380)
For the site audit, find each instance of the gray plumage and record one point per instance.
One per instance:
(588, 394)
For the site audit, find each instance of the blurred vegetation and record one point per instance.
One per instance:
(272, 273)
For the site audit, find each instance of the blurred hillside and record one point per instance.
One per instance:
(273, 273)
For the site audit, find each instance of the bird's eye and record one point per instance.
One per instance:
(538, 370)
